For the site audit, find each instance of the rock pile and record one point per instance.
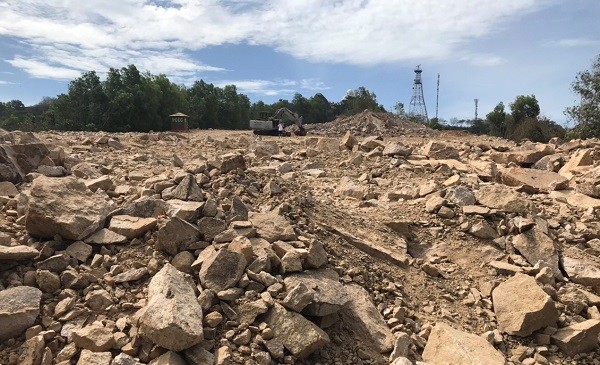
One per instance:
(214, 248)
(368, 123)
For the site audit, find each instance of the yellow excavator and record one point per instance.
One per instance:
(268, 125)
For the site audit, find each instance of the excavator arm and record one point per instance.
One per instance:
(288, 117)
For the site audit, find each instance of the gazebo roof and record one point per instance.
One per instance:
(178, 115)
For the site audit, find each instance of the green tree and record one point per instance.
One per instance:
(359, 100)
(587, 113)
(524, 107)
(496, 120)
(399, 109)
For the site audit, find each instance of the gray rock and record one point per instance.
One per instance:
(176, 235)
(106, 237)
(536, 247)
(300, 336)
(19, 308)
(365, 321)
(18, 253)
(76, 215)
(449, 346)
(578, 337)
(172, 318)
(187, 189)
(272, 226)
(222, 270)
(522, 307)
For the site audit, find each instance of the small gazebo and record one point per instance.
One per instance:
(179, 122)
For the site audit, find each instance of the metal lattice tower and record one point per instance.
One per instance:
(417, 108)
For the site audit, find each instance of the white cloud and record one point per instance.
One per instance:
(2, 82)
(66, 37)
(573, 42)
(484, 60)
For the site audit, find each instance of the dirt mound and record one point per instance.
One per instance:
(367, 123)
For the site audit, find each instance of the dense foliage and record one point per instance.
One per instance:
(132, 101)
(587, 114)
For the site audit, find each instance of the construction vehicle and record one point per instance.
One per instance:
(269, 125)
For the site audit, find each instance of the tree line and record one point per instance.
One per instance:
(129, 100)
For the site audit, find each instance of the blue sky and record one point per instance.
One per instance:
(488, 49)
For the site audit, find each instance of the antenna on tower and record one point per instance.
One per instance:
(476, 103)
(417, 107)
(437, 99)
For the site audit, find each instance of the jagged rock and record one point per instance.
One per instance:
(98, 300)
(144, 208)
(94, 338)
(172, 318)
(532, 180)
(316, 257)
(85, 170)
(449, 346)
(211, 227)
(365, 321)
(272, 226)
(176, 235)
(19, 308)
(32, 351)
(88, 357)
(461, 196)
(79, 250)
(580, 158)
(104, 183)
(536, 247)
(483, 230)
(187, 210)
(300, 336)
(198, 355)
(76, 215)
(581, 268)
(549, 163)
(232, 161)
(578, 337)
(348, 188)
(170, 358)
(434, 204)
(502, 198)
(130, 226)
(328, 294)
(298, 297)
(522, 307)
(47, 281)
(124, 359)
(187, 189)
(396, 149)
(106, 237)
(348, 140)
(130, 275)
(525, 156)
(8, 189)
(486, 170)
(18, 253)
(17, 160)
(575, 199)
(222, 270)
(440, 151)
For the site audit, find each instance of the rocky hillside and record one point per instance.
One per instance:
(214, 247)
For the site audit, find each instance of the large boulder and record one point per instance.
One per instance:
(176, 235)
(503, 198)
(63, 206)
(17, 160)
(365, 321)
(19, 308)
(522, 307)
(172, 319)
(222, 269)
(440, 151)
(130, 226)
(536, 247)
(578, 337)
(449, 346)
(299, 335)
(581, 268)
(187, 189)
(532, 180)
(272, 226)
(329, 295)
(94, 338)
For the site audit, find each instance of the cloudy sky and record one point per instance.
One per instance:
(487, 49)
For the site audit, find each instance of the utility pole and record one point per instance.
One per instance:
(476, 102)
(417, 107)
(437, 99)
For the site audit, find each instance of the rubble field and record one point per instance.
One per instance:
(367, 241)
